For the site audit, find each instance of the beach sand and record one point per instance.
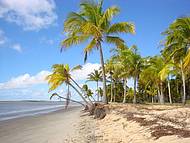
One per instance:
(125, 123)
(55, 127)
(130, 123)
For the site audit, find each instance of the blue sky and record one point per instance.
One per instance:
(31, 32)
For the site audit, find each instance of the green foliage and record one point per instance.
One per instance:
(60, 74)
(92, 23)
(87, 90)
(95, 76)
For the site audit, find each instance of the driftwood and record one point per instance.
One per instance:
(98, 110)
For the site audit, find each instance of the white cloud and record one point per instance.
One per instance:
(86, 69)
(3, 38)
(25, 80)
(17, 47)
(31, 14)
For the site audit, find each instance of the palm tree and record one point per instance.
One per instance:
(122, 65)
(177, 43)
(135, 65)
(61, 74)
(157, 64)
(88, 92)
(109, 68)
(187, 60)
(165, 73)
(148, 81)
(100, 92)
(94, 24)
(95, 76)
(150, 75)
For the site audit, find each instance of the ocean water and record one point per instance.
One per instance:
(17, 109)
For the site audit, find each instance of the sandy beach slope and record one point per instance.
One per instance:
(56, 127)
(130, 123)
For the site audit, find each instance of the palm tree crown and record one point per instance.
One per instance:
(93, 24)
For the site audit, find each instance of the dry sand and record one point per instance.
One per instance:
(144, 124)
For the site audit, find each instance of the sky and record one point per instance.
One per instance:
(31, 32)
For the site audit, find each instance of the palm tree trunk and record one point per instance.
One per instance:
(169, 91)
(125, 89)
(152, 99)
(89, 99)
(162, 94)
(93, 99)
(104, 99)
(158, 94)
(111, 90)
(177, 86)
(80, 94)
(183, 80)
(135, 98)
(80, 88)
(69, 99)
(97, 92)
(115, 92)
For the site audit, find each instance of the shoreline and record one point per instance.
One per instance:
(18, 109)
(40, 112)
(53, 127)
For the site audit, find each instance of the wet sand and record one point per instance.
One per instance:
(55, 127)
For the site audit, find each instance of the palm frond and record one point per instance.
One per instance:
(187, 60)
(78, 67)
(73, 22)
(122, 27)
(85, 56)
(73, 40)
(90, 46)
(120, 43)
(108, 15)
(91, 29)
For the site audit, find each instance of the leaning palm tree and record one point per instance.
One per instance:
(61, 74)
(177, 43)
(95, 76)
(94, 24)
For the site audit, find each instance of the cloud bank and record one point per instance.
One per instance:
(27, 80)
(30, 14)
(86, 69)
